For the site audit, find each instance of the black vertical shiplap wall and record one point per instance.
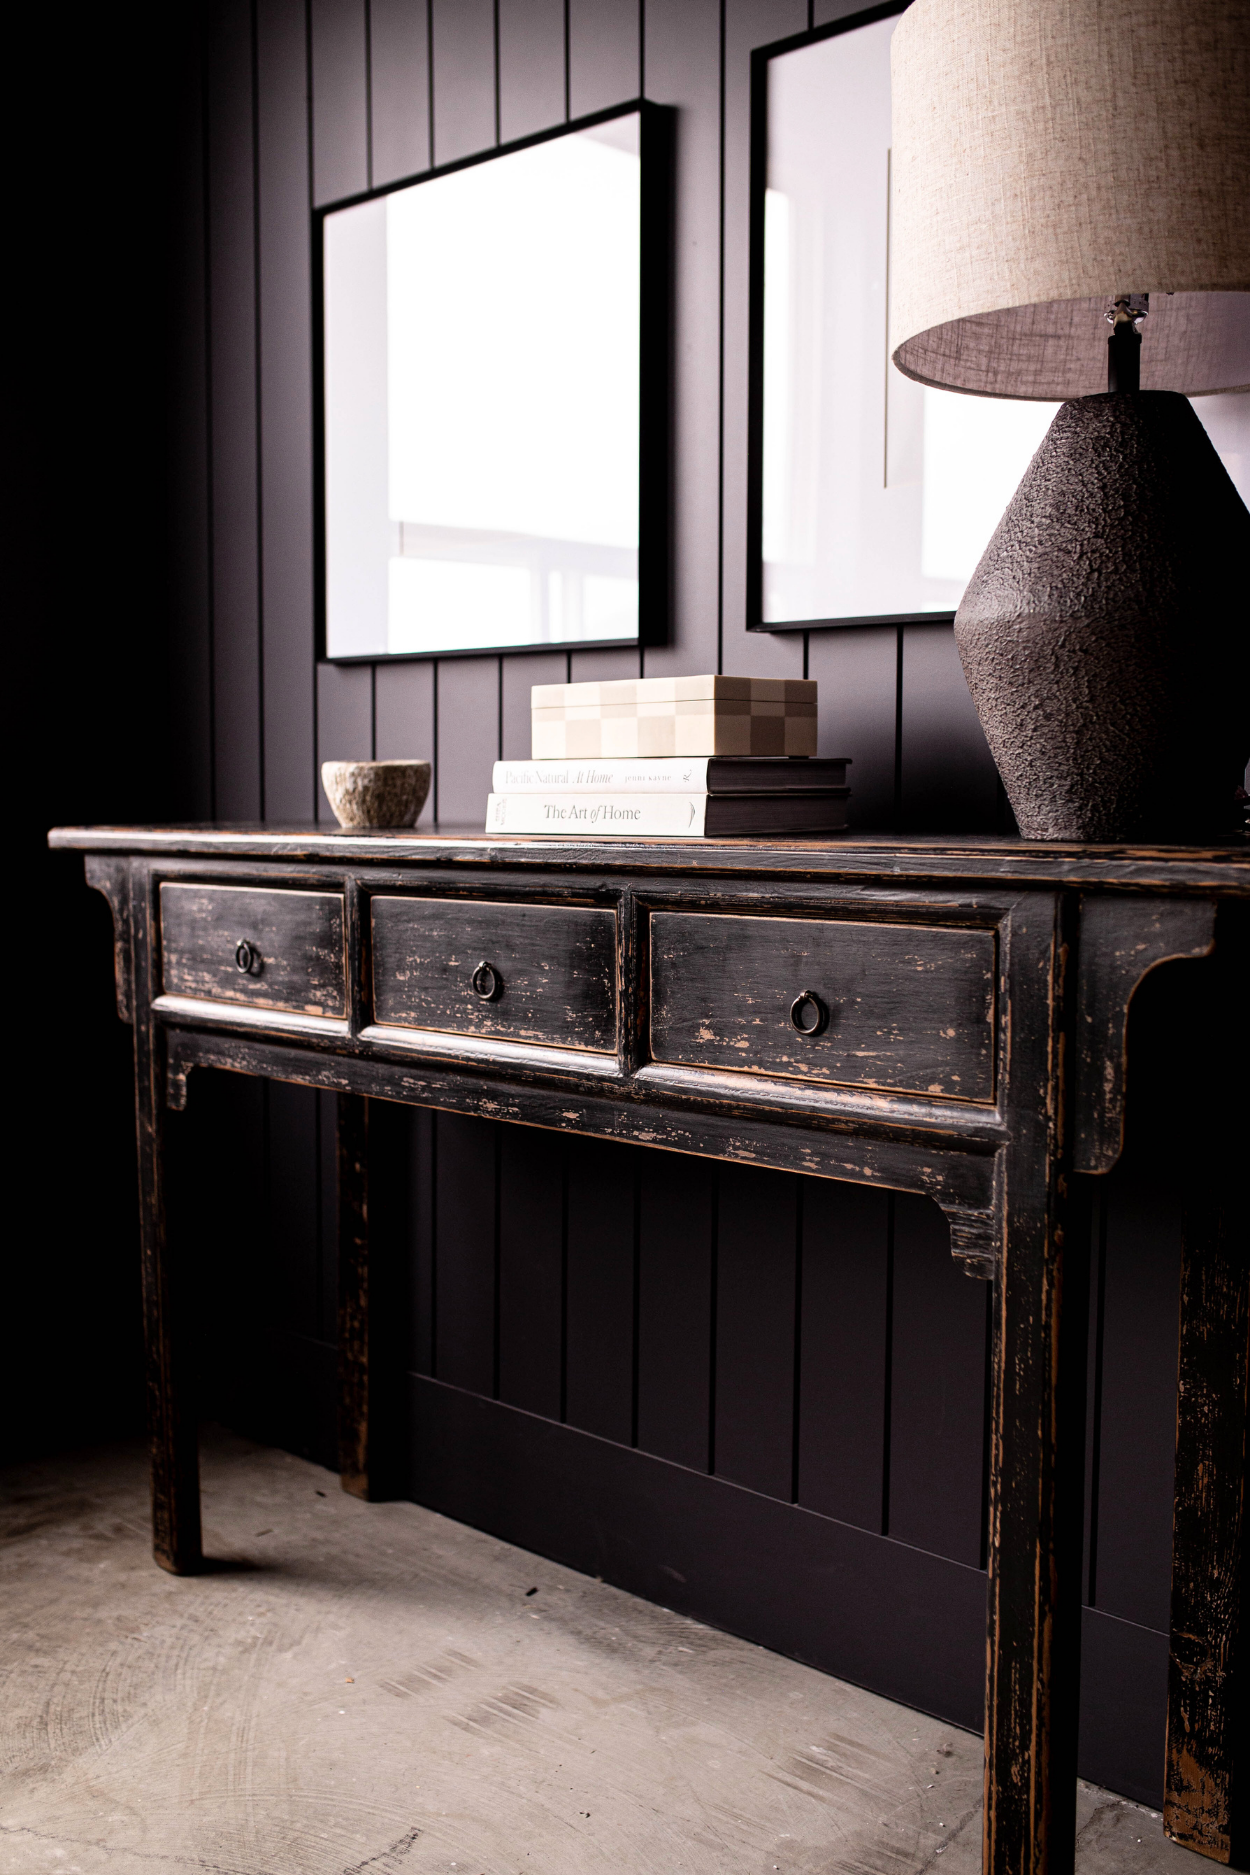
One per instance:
(756, 1353)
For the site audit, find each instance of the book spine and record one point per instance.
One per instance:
(661, 776)
(596, 816)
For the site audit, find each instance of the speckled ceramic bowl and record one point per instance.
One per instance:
(376, 794)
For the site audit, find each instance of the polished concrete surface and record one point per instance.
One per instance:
(368, 1687)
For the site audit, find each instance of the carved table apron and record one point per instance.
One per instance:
(943, 1017)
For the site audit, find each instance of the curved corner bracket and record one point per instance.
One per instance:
(974, 1241)
(176, 1086)
(1121, 941)
(109, 874)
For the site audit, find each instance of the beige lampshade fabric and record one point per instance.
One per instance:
(1049, 155)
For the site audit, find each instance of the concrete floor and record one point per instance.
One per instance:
(372, 1688)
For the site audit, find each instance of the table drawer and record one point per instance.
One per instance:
(905, 1007)
(521, 973)
(239, 944)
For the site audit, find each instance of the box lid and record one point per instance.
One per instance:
(652, 690)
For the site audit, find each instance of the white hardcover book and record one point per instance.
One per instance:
(620, 775)
(599, 816)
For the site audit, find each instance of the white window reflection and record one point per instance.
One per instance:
(879, 494)
(482, 404)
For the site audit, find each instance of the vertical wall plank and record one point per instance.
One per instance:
(824, 12)
(340, 100)
(756, 1269)
(224, 1224)
(857, 671)
(674, 1308)
(1137, 1423)
(531, 66)
(294, 1209)
(464, 78)
(531, 1268)
(681, 72)
(599, 1374)
(519, 677)
(399, 88)
(232, 310)
(604, 47)
(328, 1190)
(938, 1395)
(344, 720)
(748, 24)
(468, 708)
(421, 1170)
(464, 1275)
(844, 1365)
(190, 639)
(600, 667)
(285, 411)
(404, 717)
(949, 781)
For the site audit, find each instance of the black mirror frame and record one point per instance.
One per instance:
(755, 411)
(656, 145)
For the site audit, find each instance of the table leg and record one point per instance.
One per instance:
(172, 1431)
(373, 1168)
(352, 1133)
(1207, 1803)
(1036, 1517)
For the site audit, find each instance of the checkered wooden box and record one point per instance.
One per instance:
(659, 716)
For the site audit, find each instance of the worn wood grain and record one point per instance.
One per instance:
(1001, 1172)
(1207, 1806)
(297, 941)
(1207, 1802)
(1167, 871)
(1120, 943)
(109, 874)
(172, 1435)
(1036, 1442)
(963, 1182)
(352, 1142)
(554, 968)
(909, 1007)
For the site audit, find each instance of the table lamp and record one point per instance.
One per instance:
(1070, 218)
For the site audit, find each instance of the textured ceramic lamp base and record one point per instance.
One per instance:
(1103, 634)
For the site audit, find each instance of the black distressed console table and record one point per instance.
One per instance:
(944, 1017)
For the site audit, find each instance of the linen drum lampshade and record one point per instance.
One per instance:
(1058, 165)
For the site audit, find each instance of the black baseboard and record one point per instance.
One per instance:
(1124, 1689)
(896, 1620)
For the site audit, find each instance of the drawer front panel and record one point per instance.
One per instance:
(905, 1008)
(236, 944)
(551, 974)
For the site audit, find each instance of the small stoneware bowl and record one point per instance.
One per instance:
(376, 794)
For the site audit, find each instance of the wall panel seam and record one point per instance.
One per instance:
(209, 492)
(257, 397)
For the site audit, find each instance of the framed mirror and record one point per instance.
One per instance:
(494, 402)
(871, 497)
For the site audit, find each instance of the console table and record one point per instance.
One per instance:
(936, 1016)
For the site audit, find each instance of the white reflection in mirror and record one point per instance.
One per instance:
(482, 404)
(879, 494)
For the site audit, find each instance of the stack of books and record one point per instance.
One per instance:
(690, 757)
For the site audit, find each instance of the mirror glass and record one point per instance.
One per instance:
(481, 352)
(878, 495)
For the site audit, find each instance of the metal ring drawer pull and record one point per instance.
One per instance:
(487, 982)
(247, 958)
(809, 1014)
